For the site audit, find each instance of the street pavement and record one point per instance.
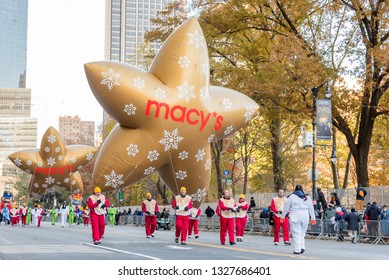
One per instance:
(127, 242)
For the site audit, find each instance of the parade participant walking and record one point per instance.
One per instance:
(6, 216)
(14, 213)
(194, 216)
(53, 214)
(361, 193)
(23, 213)
(97, 204)
(227, 217)
(36, 215)
(86, 213)
(112, 213)
(71, 214)
(39, 215)
(182, 203)
(29, 216)
(241, 217)
(209, 212)
(64, 212)
(149, 208)
(276, 206)
(300, 209)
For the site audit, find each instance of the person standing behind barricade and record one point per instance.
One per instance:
(300, 209)
(86, 213)
(339, 219)
(23, 213)
(276, 206)
(150, 208)
(182, 203)
(352, 220)
(374, 215)
(321, 200)
(361, 193)
(209, 212)
(335, 199)
(64, 212)
(97, 204)
(71, 214)
(329, 219)
(112, 214)
(194, 216)
(384, 216)
(227, 218)
(241, 217)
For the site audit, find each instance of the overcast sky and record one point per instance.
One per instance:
(62, 36)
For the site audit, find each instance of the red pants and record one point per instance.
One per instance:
(195, 225)
(285, 229)
(151, 223)
(24, 220)
(226, 224)
(98, 226)
(14, 220)
(39, 221)
(240, 225)
(86, 221)
(182, 224)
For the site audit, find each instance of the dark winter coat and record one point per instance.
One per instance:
(359, 191)
(373, 212)
(209, 212)
(352, 220)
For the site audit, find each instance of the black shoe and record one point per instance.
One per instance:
(176, 240)
(96, 243)
(287, 243)
(183, 243)
(232, 243)
(196, 236)
(297, 253)
(302, 251)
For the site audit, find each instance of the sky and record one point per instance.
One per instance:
(63, 35)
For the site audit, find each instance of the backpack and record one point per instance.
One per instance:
(361, 193)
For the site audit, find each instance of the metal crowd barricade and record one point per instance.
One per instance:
(249, 226)
(215, 222)
(263, 226)
(328, 229)
(315, 231)
(203, 221)
(138, 220)
(124, 219)
(384, 232)
(369, 231)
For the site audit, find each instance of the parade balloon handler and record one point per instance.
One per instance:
(97, 204)
(241, 217)
(150, 208)
(182, 203)
(227, 218)
(194, 217)
(276, 206)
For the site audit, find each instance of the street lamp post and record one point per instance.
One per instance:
(315, 92)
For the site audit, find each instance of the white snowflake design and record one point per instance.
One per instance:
(29, 162)
(73, 182)
(227, 103)
(130, 109)
(228, 130)
(80, 167)
(47, 149)
(184, 61)
(60, 157)
(181, 174)
(73, 160)
(114, 180)
(207, 164)
(211, 137)
(200, 155)
(149, 170)
(196, 39)
(66, 180)
(204, 92)
(57, 150)
(153, 155)
(44, 186)
(51, 161)
(139, 83)
(51, 138)
(171, 140)
(132, 150)
(183, 155)
(89, 156)
(39, 164)
(36, 185)
(186, 91)
(110, 79)
(70, 173)
(49, 180)
(18, 162)
(160, 93)
(58, 183)
(250, 111)
(198, 196)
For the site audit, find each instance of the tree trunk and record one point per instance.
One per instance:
(216, 149)
(276, 150)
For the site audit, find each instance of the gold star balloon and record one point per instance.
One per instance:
(167, 117)
(54, 163)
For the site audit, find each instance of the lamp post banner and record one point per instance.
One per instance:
(323, 119)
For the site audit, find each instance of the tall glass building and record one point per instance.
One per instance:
(18, 130)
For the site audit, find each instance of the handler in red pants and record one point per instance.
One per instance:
(241, 217)
(150, 207)
(97, 204)
(194, 216)
(227, 218)
(182, 203)
(276, 206)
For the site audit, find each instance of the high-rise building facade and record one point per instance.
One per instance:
(13, 43)
(18, 130)
(75, 131)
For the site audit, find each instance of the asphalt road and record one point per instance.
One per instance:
(129, 243)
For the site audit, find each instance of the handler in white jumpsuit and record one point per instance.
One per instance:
(300, 209)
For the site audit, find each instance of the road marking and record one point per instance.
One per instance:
(255, 251)
(6, 241)
(179, 247)
(120, 251)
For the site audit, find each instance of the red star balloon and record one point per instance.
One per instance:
(54, 163)
(167, 117)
